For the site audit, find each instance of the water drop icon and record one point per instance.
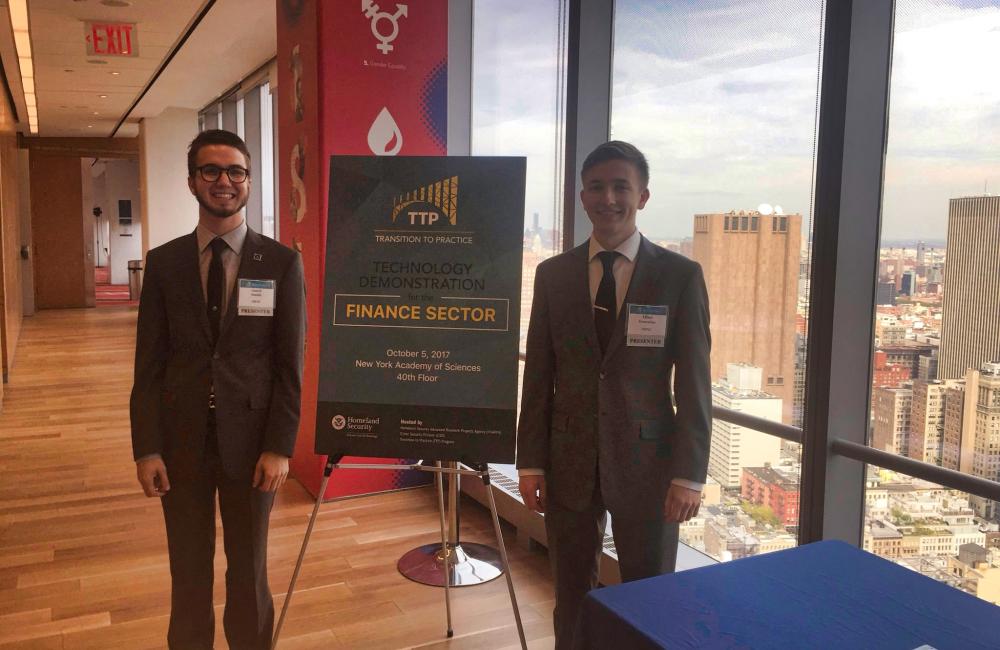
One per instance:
(384, 137)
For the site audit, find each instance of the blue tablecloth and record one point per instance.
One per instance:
(822, 595)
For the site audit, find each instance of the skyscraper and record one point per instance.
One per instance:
(985, 431)
(972, 430)
(927, 420)
(751, 264)
(891, 427)
(735, 447)
(970, 327)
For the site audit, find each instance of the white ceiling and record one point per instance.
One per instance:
(235, 38)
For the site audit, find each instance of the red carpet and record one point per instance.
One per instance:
(108, 295)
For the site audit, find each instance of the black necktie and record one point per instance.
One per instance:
(606, 305)
(216, 278)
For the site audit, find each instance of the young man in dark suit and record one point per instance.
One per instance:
(215, 403)
(618, 336)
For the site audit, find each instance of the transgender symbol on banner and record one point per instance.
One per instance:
(373, 14)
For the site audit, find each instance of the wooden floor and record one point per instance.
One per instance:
(83, 560)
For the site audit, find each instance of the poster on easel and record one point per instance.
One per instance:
(421, 308)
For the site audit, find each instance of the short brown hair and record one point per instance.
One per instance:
(215, 136)
(618, 150)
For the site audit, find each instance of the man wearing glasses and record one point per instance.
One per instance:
(215, 403)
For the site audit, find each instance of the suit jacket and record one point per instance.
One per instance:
(255, 366)
(581, 412)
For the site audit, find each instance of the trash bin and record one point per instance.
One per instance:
(134, 279)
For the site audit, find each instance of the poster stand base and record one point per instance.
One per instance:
(482, 472)
(468, 564)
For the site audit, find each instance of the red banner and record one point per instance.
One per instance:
(354, 77)
(386, 68)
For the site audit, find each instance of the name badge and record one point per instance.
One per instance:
(256, 297)
(647, 326)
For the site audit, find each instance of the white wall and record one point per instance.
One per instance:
(121, 180)
(87, 204)
(94, 195)
(167, 205)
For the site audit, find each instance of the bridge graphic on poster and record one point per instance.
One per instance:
(443, 195)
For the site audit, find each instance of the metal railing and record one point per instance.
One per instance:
(942, 476)
(948, 478)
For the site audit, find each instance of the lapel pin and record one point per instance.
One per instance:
(258, 257)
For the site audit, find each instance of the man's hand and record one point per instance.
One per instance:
(682, 503)
(271, 471)
(152, 474)
(532, 489)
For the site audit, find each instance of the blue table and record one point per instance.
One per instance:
(822, 595)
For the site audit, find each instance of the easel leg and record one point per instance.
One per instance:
(445, 550)
(330, 462)
(485, 469)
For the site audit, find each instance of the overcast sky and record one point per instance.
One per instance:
(722, 95)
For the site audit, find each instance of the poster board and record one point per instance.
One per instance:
(419, 340)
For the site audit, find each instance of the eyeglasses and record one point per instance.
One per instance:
(211, 173)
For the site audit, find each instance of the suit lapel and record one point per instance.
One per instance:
(192, 280)
(637, 290)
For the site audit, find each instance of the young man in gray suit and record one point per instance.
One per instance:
(618, 337)
(215, 403)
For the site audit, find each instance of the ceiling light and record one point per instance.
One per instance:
(115, 73)
(23, 42)
(103, 96)
(90, 126)
(19, 15)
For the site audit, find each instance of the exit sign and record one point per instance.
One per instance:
(111, 39)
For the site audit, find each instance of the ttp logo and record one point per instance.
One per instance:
(442, 196)
(376, 16)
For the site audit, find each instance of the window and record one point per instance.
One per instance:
(695, 87)
(939, 217)
(249, 112)
(518, 65)
(269, 224)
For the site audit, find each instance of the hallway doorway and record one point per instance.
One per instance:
(111, 200)
(107, 294)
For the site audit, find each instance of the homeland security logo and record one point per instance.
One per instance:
(441, 198)
(339, 422)
(372, 12)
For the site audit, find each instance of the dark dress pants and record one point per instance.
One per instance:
(646, 548)
(189, 511)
